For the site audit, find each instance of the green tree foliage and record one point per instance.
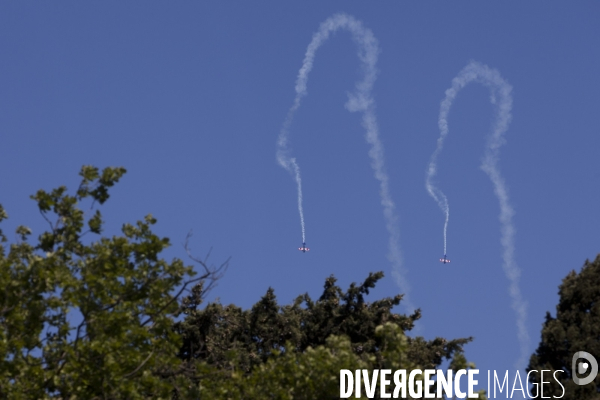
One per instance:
(247, 346)
(88, 317)
(312, 374)
(576, 327)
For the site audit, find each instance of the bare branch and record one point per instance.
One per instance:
(47, 220)
(139, 366)
(211, 274)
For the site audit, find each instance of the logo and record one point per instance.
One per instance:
(582, 367)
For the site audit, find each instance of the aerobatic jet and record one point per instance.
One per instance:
(303, 249)
(444, 260)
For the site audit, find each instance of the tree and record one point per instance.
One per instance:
(244, 347)
(312, 374)
(90, 317)
(576, 327)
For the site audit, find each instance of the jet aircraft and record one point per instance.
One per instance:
(303, 249)
(444, 260)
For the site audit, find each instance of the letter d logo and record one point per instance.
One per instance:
(583, 367)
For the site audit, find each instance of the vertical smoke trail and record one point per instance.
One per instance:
(360, 100)
(501, 97)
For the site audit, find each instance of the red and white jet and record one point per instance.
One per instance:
(444, 260)
(303, 249)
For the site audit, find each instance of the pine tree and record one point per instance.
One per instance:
(576, 327)
(232, 339)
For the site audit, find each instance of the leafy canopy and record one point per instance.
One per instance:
(296, 351)
(576, 327)
(88, 318)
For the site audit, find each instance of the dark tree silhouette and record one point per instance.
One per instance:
(576, 327)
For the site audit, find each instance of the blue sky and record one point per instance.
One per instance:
(190, 98)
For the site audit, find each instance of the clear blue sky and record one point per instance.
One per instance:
(190, 98)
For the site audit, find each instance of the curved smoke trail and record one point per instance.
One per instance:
(501, 97)
(360, 100)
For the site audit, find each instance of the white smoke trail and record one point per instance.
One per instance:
(360, 100)
(500, 96)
